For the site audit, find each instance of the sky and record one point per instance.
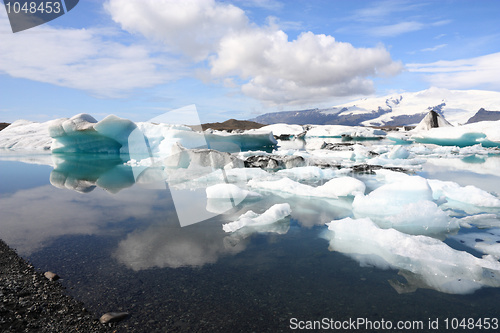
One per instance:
(237, 59)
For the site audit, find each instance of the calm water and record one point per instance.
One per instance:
(123, 249)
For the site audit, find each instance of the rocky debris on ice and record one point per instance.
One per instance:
(432, 120)
(274, 162)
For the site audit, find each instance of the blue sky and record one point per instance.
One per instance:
(237, 59)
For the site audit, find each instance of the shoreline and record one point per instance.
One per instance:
(30, 302)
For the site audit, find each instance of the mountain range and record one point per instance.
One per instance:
(407, 108)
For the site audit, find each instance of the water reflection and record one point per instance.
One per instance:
(33, 218)
(201, 167)
(83, 173)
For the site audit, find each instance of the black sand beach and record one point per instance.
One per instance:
(30, 302)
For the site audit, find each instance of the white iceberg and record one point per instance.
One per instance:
(283, 129)
(456, 194)
(348, 132)
(389, 199)
(24, 134)
(429, 260)
(405, 205)
(113, 135)
(334, 188)
(222, 198)
(484, 132)
(230, 191)
(252, 219)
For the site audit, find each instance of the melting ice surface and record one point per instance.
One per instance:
(333, 213)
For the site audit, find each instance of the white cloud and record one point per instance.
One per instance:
(435, 48)
(79, 58)
(190, 27)
(383, 10)
(396, 29)
(268, 66)
(214, 38)
(308, 69)
(265, 4)
(480, 72)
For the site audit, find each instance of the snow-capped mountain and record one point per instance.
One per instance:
(408, 108)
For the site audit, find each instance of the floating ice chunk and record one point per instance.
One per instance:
(273, 214)
(284, 186)
(24, 134)
(338, 131)
(421, 218)
(78, 135)
(389, 199)
(230, 191)
(342, 186)
(283, 129)
(404, 203)
(469, 194)
(180, 157)
(309, 173)
(482, 221)
(399, 152)
(432, 262)
(485, 132)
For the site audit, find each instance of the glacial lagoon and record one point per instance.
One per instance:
(120, 246)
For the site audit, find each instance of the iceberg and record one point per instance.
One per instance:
(468, 198)
(429, 261)
(229, 191)
(405, 205)
(224, 197)
(485, 133)
(252, 219)
(281, 130)
(334, 188)
(82, 133)
(24, 134)
(392, 197)
(432, 120)
(346, 132)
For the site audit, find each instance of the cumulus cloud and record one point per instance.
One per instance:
(191, 27)
(198, 38)
(480, 72)
(310, 68)
(268, 66)
(79, 58)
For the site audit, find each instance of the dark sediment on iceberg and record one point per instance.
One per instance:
(30, 302)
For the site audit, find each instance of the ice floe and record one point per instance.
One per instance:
(334, 188)
(252, 219)
(430, 262)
